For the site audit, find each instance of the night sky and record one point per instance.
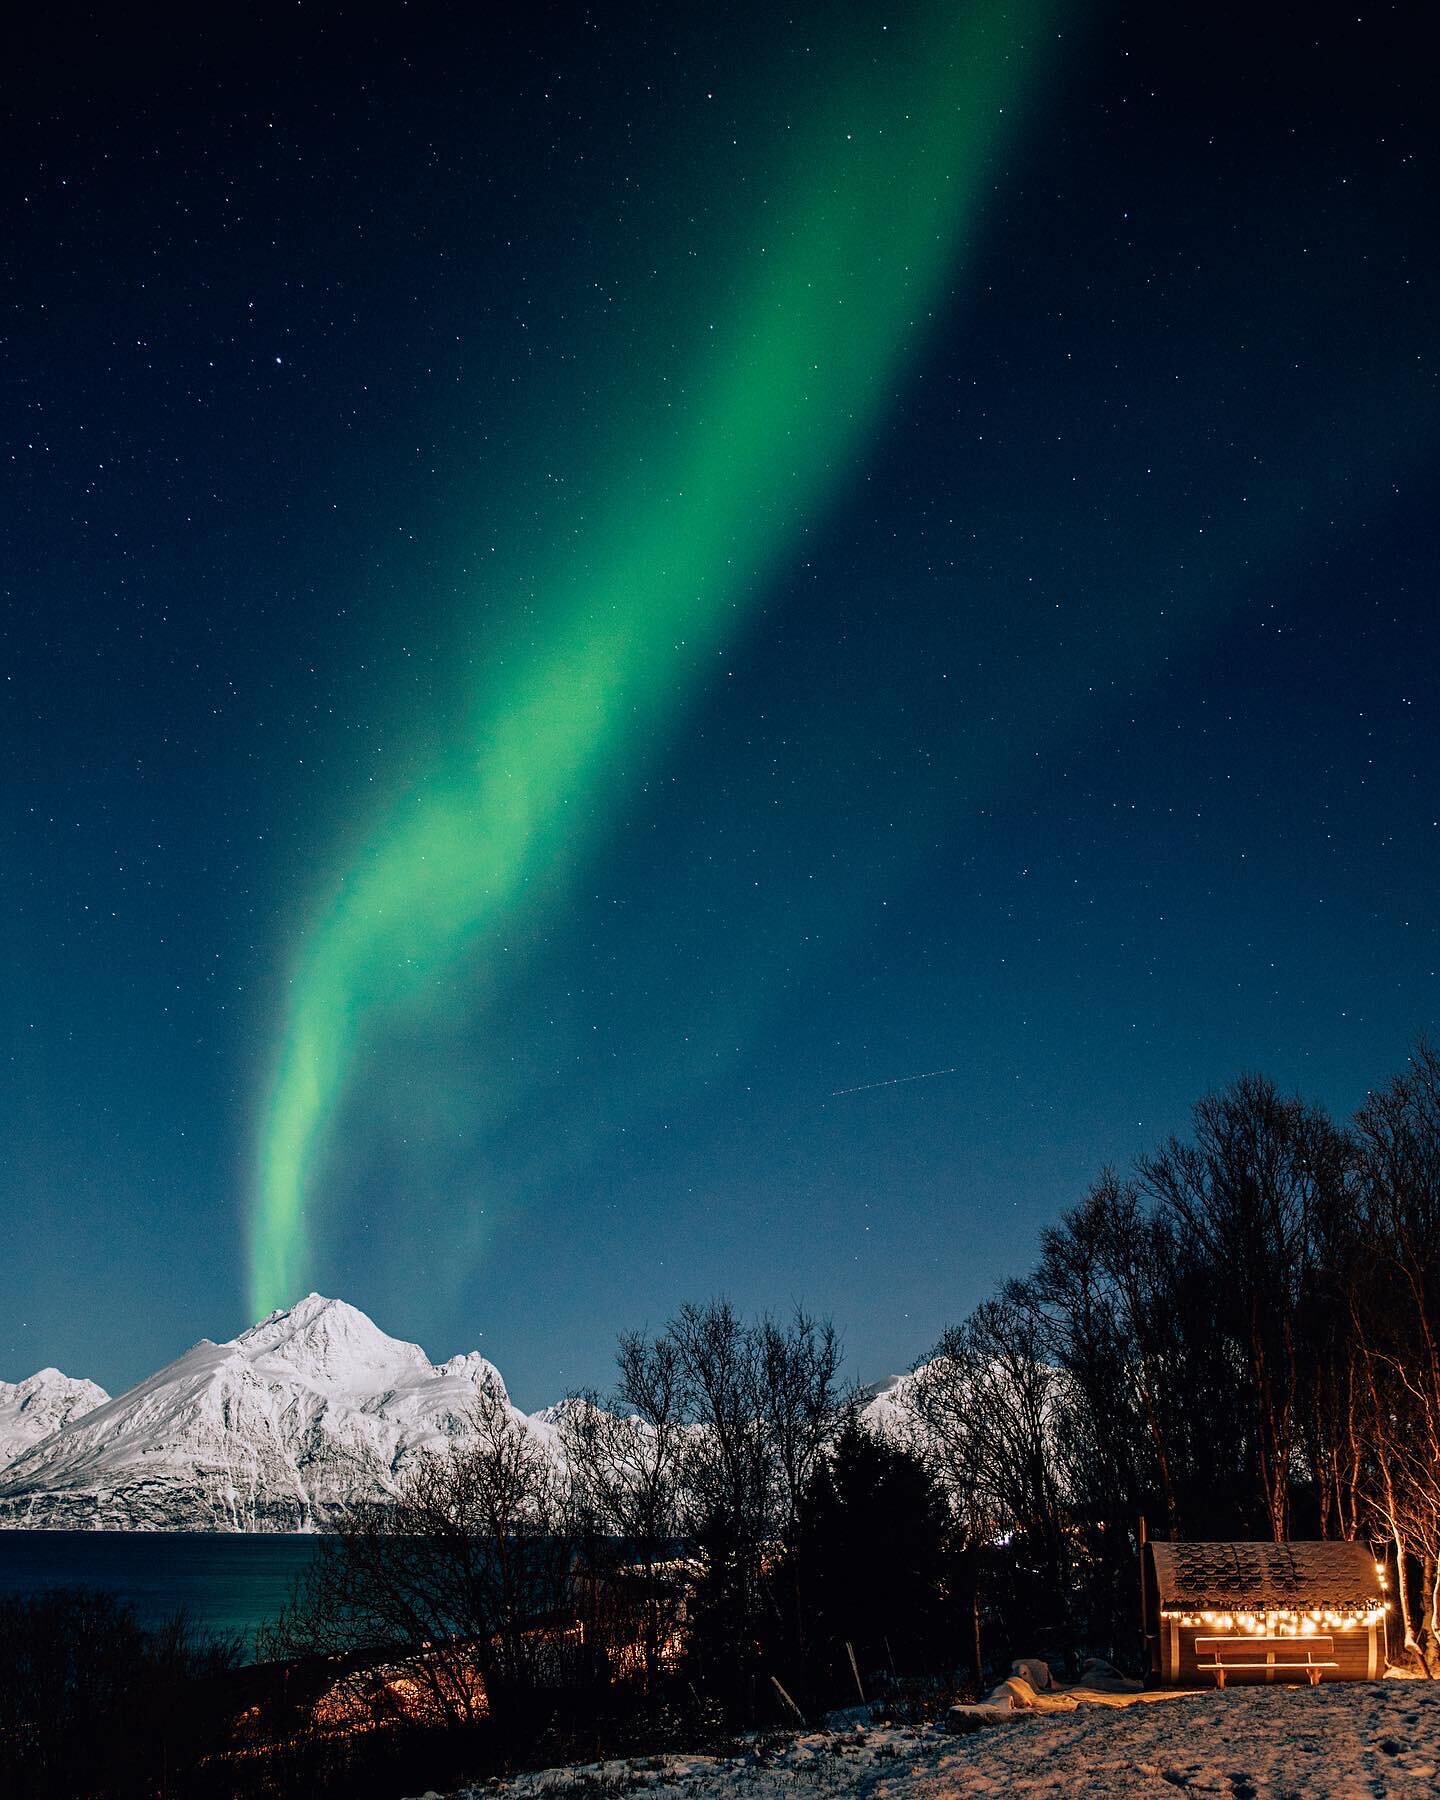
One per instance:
(583, 592)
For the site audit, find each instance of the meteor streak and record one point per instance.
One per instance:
(867, 1087)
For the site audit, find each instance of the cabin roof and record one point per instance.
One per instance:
(1265, 1576)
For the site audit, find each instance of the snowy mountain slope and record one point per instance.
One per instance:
(280, 1429)
(31, 1409)
(885, 1406)
(304, 1413)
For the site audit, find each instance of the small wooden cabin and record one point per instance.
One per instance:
(1263, 1612)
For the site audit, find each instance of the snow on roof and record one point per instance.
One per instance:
(1265, 1576)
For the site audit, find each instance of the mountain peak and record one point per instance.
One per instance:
(300, 1313)
(282, 1428)
(329, 1341)
(40, 1404)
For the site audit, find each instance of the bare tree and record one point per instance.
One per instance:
(625, 1462)
(1245, 1194)
(728, 1473)
(1395, 1313)
(1104, 1286)
(762, 1402)
(989, 1401)
(800, 1404)
(457, 1581)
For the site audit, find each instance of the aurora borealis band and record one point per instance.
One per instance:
(839, 271)
(589, 594)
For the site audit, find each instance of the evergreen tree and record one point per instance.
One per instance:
(872, 1562)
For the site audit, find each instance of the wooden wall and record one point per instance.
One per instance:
(1360, 1655)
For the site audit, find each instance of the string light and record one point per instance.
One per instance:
(1282, 1621)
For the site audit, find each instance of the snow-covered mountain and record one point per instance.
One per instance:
(277, 1430)
(280, 1429)
(31, 1409)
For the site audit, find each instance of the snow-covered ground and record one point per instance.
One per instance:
(1379, 1739)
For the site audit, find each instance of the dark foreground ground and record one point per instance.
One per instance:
(1377, 1740)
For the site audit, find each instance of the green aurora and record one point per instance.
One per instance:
(838, 274)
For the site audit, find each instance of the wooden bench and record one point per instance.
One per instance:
(1222, 1656)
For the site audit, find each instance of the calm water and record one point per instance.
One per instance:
(228, 1582)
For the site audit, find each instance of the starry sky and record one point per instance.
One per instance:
(584, 592)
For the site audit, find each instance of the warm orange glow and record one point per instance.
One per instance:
(1282, 1621)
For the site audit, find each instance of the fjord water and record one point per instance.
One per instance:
(225, 1581)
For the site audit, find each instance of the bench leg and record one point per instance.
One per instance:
(1314, 1675)
(1219, 1678)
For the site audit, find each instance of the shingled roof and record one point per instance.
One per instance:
(1265, 1577)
